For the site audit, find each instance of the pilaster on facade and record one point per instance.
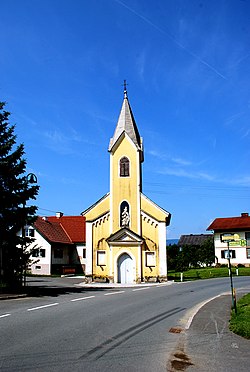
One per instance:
(162, 249)
(89, 251)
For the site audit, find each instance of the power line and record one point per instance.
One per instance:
(46, 210)
(229, 188)
(211, 195)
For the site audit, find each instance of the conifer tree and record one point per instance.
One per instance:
(15, 191)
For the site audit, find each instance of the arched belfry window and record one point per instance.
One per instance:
(124, 167)
(124, 214)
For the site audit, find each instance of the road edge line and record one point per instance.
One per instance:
(199, 306)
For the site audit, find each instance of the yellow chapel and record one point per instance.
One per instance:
(125, 230)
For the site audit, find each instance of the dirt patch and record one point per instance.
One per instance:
(181, 356)
(179, 361)
(180, 365)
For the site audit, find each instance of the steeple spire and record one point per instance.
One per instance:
(126, 124)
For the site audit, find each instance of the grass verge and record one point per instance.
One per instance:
(240, 322)
(207, 273)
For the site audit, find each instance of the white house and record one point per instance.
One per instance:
(60, 245)
(240, 248)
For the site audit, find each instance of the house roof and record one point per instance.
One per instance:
(126, 124)
(64, 229)
(193, 239)
(231, 223)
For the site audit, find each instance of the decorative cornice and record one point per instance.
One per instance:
(101, 219)
(149, 219)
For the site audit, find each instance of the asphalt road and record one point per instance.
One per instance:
(62, 327)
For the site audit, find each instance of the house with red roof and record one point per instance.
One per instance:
(59, 243)
(239, 248)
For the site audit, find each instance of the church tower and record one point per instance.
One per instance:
(126, 157)
(125, 230)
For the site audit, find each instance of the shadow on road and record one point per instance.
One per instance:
(43, 291)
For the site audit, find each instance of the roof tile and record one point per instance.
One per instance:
(65, 229)
(231, 223)
(193, 239)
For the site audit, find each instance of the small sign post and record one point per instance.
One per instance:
(231, 238)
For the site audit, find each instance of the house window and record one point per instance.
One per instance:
(29, 232)
(38, 267)
(40, 252)
(84, 253)
(224, 254)
(58, 253)
(124, 214)
(124, 167)
(101, 258)
(150, 259)
(248, 253)
(247, 236)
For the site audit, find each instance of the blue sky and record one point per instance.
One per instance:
(187, 64)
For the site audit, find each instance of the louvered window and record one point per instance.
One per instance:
(124, 167)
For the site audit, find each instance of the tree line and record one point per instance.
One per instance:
(190, 256)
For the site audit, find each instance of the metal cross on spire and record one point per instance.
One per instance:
(125, 88)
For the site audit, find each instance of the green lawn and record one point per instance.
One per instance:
(207, 273)
(240, 322)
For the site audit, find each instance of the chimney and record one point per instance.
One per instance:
(59, 214)
(244, 214)
(44, 218)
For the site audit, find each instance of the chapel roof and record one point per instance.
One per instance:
(64, 229)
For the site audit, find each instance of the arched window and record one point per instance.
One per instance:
(124, 214)
(124, 167)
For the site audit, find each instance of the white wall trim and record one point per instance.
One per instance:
(138, 175)
(89, 250)
(162, 249)
(111, 193)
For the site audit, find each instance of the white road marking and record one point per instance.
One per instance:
(4, 315)
(195, 310)
(112, 293)
(82, 298)
(140, 289)
(164, 284)
(42, 307)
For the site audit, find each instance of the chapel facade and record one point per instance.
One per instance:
(125, 230)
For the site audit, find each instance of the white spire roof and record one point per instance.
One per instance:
(126, 124)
